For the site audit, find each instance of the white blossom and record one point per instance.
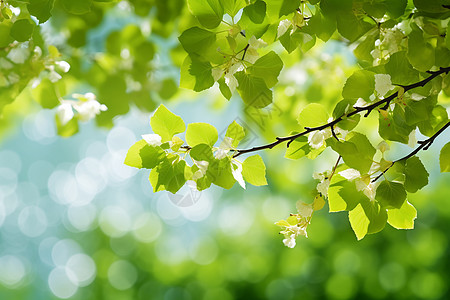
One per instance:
(18, 55)
(65, 112)
(412, 141)
(152, 139)
(64, 65)
(290, 242)
(253, 44)
(316, 139)
(366, 186)
(383, 84)
(224, 147)
(383, 146)
(360, 103)
(237, 173)
(322, 187)
(350, 174)
(53, 76)
(217, 73)
(283, 27)
(202, 168)
(88, 107)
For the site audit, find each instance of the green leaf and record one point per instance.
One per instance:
(395, 8)
(321, 26)
(376, 214)
(197, 40)
(219, 172)
(22, 30)
(391, 194)
(232, 7)
(416, 111)
(236, 132)
(356, 151)
(447, 37)
(298, 148)
(403, 217)
(360, 85)
(359, 221)
(254, 170)
(201, 70)
(142, 155)
(201, 133)
(400, 69)
(169, 175)
(256, 11)
(289, 6)
(166, 124)
(5, 37)
(267, 67)
(253, 90)
(444, 158)
(202, 152)
(41, 9)
(224, 89)
(394, 127)
(420, 54)
(342, 194)
(313, 115)
(208, 12)
(45, 94)
(416, 176)
(364, 49)
(340, 109)
(297, 39)
(78, 7)
(350, 26)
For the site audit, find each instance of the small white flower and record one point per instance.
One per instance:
(53, 76)
(283, 27)
(290, 242)
(231, 81)
(350, 174)
(217, 73)
(417, 97)
(224, 147)
(202, 168)
(360, 103)
(367, 187)
(18, 55)
(65, 112)
(252, 54)
(322, 187)
(88, 107)
(316, 139)
(383, 84)
(237, 173)
(64, 65)
(152, 139)
(383, 146)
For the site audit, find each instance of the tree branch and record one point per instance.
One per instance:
(423, 145)
(368, 109)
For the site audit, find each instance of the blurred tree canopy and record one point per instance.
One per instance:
(345, 83)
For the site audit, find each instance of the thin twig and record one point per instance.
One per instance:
(423, 145)
(368, 109)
